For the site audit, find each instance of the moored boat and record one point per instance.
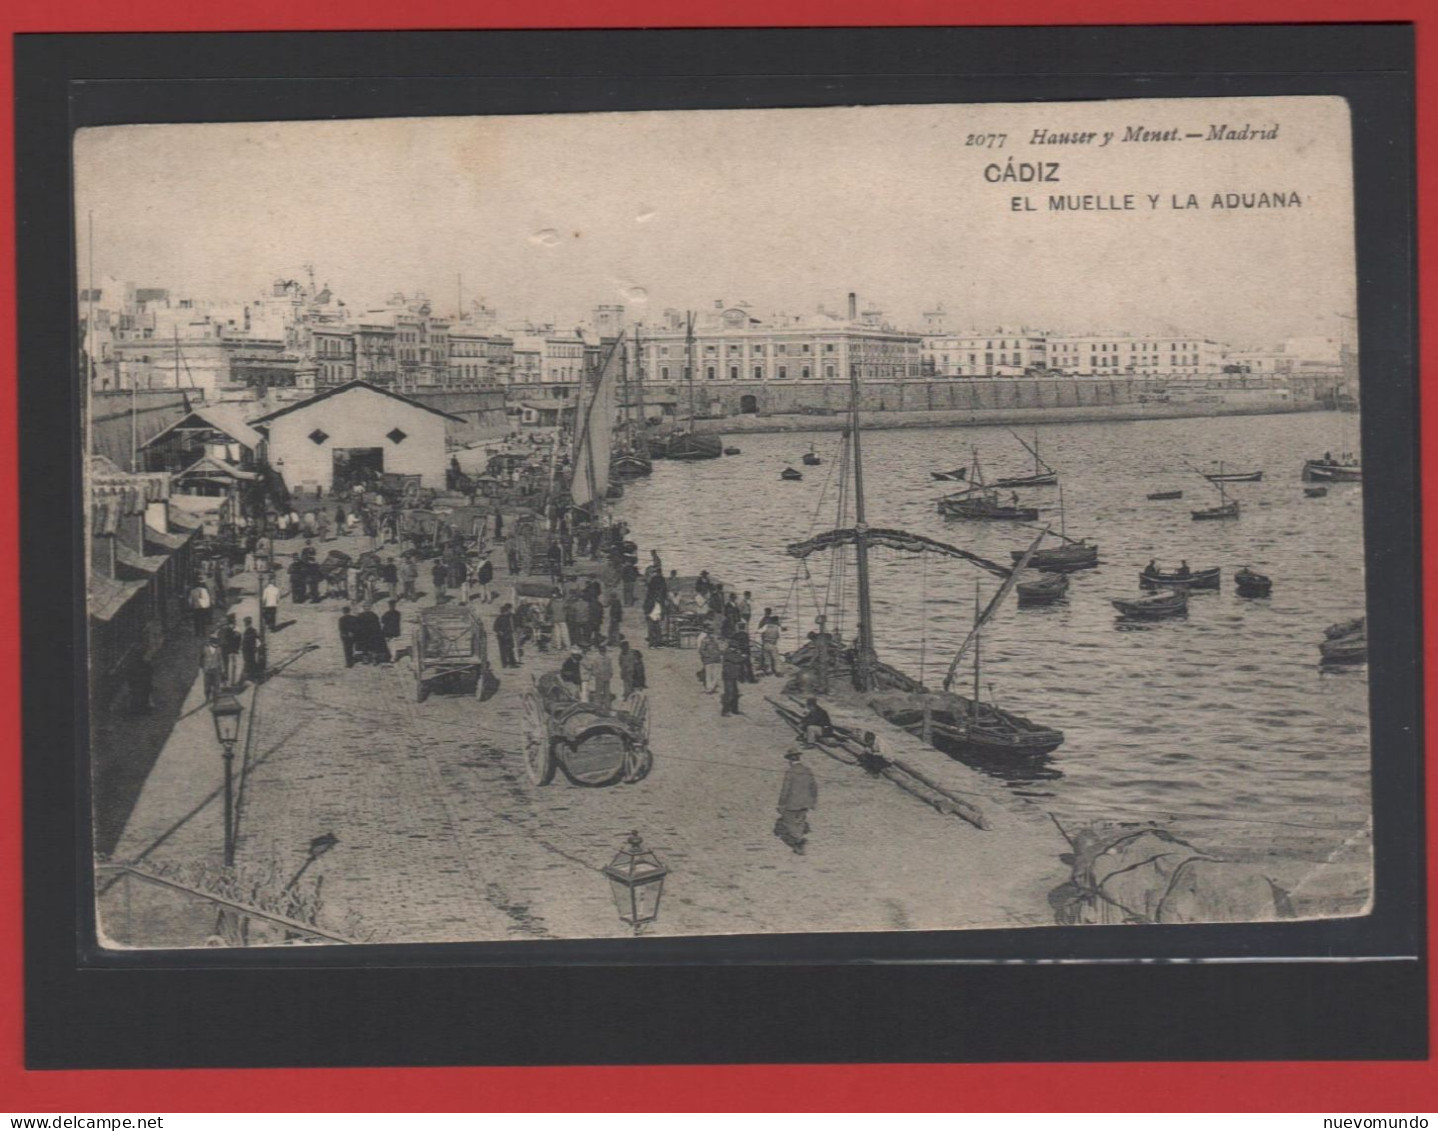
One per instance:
(963, 728)
(1154, 578)
(959, 473)
(1223, 476)
(629, 465)
(985, 505)
(1156, 495)
(731, 451)
(1251, 584)
(1042, 475)
(791, 474)
(1171, 604)
(1063, 559)
(1044, 590)
(1345, 642)
(1315, 492)
(1225, 510)
(1330, 470)
(811, 457)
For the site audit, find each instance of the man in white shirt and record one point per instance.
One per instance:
(270, 603)
(200, 605)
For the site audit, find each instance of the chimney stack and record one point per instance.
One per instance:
(853, 306)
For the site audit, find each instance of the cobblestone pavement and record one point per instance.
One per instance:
(443, 837)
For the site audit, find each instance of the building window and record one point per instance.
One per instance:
(759, 348)
(829, 372)
(395, 436)
(733, 373)
(805, 347)
(709, 372)
(758, 373)
(828, 347)
(664, 372)
(804, 373)
(318, 436)
(781, 348)
(783, 372)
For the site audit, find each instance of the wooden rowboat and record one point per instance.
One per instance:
(1043, 591)
(1194, 579)
(1251, 584)
(1165, 495)
(1227, 510)
(791, 474)
(1171, 604)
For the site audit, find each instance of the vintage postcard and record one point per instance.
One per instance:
(671, 523)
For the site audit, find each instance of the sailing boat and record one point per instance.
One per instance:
(1227, 509)
(686, 444)
(593, 440)
(981, 501)
(1074, 554)
(1043, 476)
(966, 728)
(631, 453)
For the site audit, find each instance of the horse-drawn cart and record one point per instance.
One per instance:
(449, 646)
(590, 745)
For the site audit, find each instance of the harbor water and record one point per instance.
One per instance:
(1221, 724)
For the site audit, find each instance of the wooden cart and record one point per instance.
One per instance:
(591, 746)
(449, 646)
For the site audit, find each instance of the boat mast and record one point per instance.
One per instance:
(1063, 527)
(689, 362)
(864, 649)
(978, 637)
(639, 383)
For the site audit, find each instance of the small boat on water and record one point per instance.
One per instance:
(1171, 604)
(1154, 578)
(1074, 554)
(1315, 492)
(1222, 476)
(791, 474)
(731, 451)
(965, 728)
(984, 504)
(1044, 590)
(629, 465)
(1043, 475)
(1345, 469)
(1156, 495)
(958, 474)
(1345, 642)
(1225, 510)
(811, 457)
(1251, 584)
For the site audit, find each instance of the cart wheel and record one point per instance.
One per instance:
(638, 761)
(421, 691)
(639, 709)
(538, 751)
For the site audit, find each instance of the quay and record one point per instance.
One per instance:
(443, 838)
(991, 417)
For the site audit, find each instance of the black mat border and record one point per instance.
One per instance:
(425, 1004)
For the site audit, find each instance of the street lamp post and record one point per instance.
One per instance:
(226, 712)
(636, 880)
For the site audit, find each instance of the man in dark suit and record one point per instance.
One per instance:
(348, 627)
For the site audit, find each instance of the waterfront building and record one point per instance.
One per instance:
(1128, 355)
(324, 438)
(991, 353)
(737, 354)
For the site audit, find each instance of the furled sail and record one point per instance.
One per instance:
(896, 540)
(993, 606)
(595, 435)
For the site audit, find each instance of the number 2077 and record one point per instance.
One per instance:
(987, 141)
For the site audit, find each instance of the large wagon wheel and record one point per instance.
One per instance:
(538, 751)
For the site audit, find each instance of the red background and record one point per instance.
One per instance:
(1390, 1087)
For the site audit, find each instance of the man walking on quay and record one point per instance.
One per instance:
(504, 633)
(270, 604)
(733, 671)
(250, 649)
(409, 574)
(212, 666)
(603, 677)
(798, 794)
(200, 604)
(439, 575)
(712, 659)
(616, 616)
(769, 645)
(230, 645)
(347, 636)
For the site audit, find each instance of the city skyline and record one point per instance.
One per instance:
(546, 217)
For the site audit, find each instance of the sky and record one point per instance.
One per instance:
(547, 216)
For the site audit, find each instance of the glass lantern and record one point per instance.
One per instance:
(226, 712)
(636, 880)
